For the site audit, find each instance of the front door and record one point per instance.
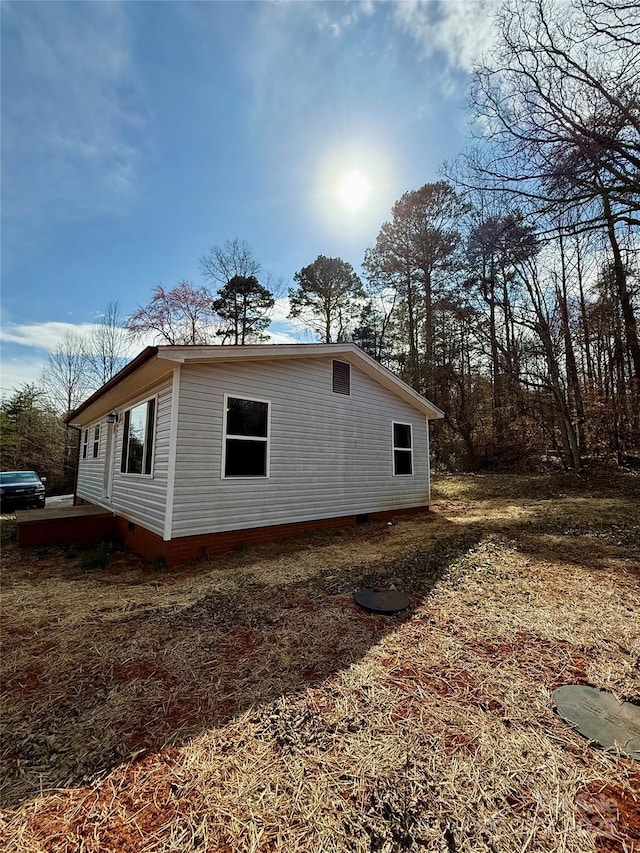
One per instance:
(107, 483)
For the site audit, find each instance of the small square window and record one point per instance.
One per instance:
(402, 435)
(245, 458)
(402, 462)
(247, 417)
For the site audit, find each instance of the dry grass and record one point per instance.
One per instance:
(247, 704)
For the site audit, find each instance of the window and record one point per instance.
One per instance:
(137, 438)
(96, 441)
(402, 449)
(342, 377)
(85, 444)
(246, 438)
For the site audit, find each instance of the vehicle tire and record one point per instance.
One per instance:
(40, 504)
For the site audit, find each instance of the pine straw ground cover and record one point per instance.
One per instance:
(246, 704)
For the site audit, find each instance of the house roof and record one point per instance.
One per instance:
(156, 363)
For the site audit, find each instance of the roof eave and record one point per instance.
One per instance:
(139, 361)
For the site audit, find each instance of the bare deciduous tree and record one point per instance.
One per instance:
(559, 101)
(108, 346)
(182, 315)
(233, 258)
(66, 376)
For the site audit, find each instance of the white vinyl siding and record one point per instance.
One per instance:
(139, 497)
(330, 455)
(90, 468)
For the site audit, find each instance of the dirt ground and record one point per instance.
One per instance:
(246, 703)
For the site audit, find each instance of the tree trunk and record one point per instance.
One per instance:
(413, 344)
(570, 359)
(495, 359)
(630, 326)
(567, 432)
(586, 331)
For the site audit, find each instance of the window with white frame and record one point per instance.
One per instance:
(96, 441)
(402, 449)
(246, 438)
(85, 444)
(137, 438)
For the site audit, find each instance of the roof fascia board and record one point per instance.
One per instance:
(248, 352)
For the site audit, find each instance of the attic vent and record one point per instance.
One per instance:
(342, 377)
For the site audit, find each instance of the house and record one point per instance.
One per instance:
(200, 449)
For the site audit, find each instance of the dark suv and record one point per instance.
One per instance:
(21, 488)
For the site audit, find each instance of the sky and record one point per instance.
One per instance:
(136, 136)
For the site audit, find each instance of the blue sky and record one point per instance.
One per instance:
(137, 135)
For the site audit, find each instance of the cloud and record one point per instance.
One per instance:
(18, 371)
(43, 336)
(73, 112)
(280, 311)
(461, 29)
(294, 329)
(26, 348)
(286, 331)
(282, 338)
(297, 59)
(336, 24)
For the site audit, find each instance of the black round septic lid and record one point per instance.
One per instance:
(600, 717)
(382, 600)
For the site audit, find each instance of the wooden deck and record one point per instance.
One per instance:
(68, 525)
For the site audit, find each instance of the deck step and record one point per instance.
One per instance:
(72, 525)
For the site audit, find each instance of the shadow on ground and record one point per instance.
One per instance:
(85, 691)
(81, 698)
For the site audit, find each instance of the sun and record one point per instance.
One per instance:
(353, 190)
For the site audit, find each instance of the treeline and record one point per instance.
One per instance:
(520, 336)
(34, 435)
(507, 292)
(34, 438)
